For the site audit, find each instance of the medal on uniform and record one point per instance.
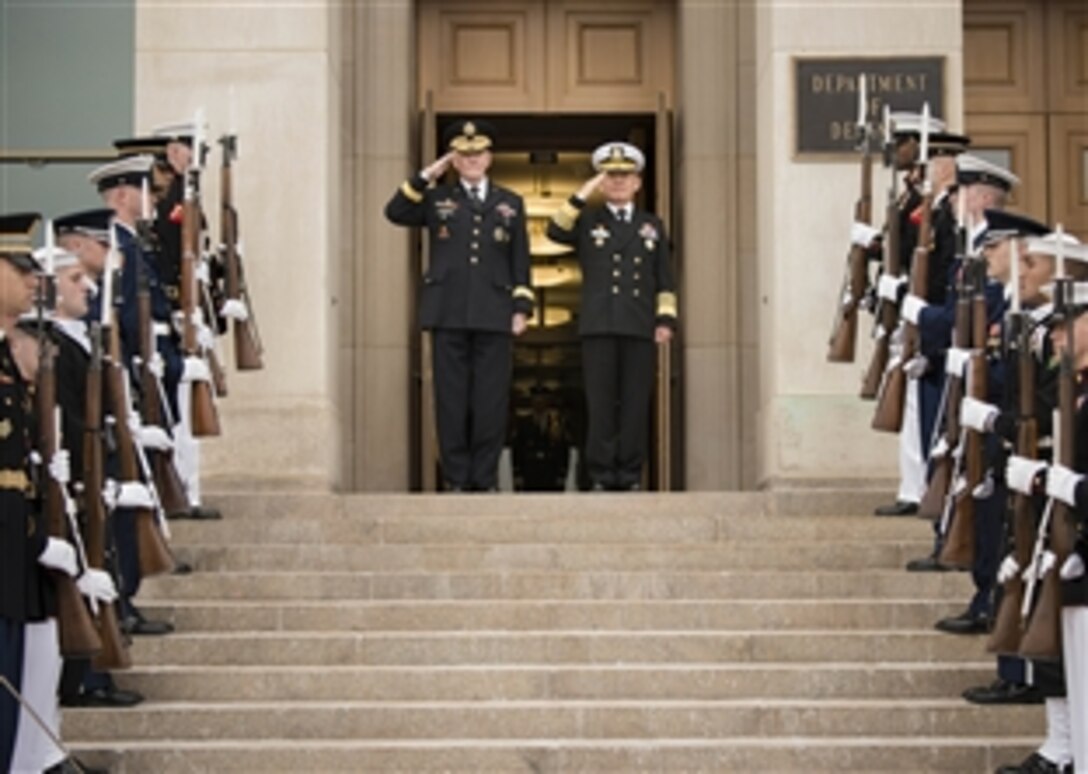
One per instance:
(5, 428)
(649, 234)
(650, 245)
(600, 234)
(500, 234)
(443, 232)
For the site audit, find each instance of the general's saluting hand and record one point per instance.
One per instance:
(590, 186)
(439, 167)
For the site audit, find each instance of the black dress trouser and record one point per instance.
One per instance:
(619, 377)
(471, 396)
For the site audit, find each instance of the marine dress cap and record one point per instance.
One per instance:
(469, 136)
(618, 157)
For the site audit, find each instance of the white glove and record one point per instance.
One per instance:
(1061, 484)
(977, 414)
(939, 449)
(97, 585)
(887, 287)
(130, 494)
(60, 467)
(202, 272)
(1008, 569)
(205, 339)
(915, 368)
(912, 307)
(1072, 568)
(955, 362)
(1020, 473)
(862, 234)
(59, 555)
(196, 370)
(234, 309)
(156, 365)
(153, 437)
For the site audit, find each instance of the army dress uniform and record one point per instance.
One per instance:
(627, 292)
(478, 278)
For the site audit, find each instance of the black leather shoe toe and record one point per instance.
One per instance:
(964, 623)
(898, 508)
(926, 564)
(109, 697)
(141, 626)
(1002, 692)
(1035, 764)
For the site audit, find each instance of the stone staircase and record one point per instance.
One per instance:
(746, 632)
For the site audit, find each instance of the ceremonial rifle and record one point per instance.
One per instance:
(887, 314)
(958, 548)
(155, 558)
(1006, 634)
(114, 653)
(247, 340)
(893, 389)
(844, 332)
(78, 636)
(203, 417)
(1042, 634)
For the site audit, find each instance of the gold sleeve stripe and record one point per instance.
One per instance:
(522, 291)
(666, 305)
(407, 189)
(566, 217)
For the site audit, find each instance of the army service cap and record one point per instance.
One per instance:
(15, 245)
(131, 170)
(469, 136)
(91, 223)
(972, 170)
(1001, 224)
(618, 157)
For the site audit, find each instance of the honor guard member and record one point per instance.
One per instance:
(86, 234)
(907, 134)
(29, 641)
(475, 295)
(628, 303)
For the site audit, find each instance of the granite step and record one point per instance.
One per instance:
(695, 680)
(532, 756)
(553, 718)
(536, 585)
(514, 615)
(772, 554)
(554, 647)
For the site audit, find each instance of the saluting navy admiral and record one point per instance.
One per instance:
(628, 304)
(475, 295)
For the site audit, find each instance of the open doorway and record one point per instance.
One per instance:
(546, 158)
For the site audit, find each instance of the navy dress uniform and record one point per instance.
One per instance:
(627, 292)
(477, 280)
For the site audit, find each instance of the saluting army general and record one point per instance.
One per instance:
(475, 295)
(628, 304)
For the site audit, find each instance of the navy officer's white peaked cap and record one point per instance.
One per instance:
(131, 170)
(971, 169)
(1070, 246)
(906, 123)
(618, 157)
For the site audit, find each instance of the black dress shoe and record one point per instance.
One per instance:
(1003, 692)
(964, 623)
(899, 508)
(598, 487)
(182, 568)
(926, 564)
(138, 625)
(204, 513)
(455, 488)
(109, 697)
(1036, 764)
